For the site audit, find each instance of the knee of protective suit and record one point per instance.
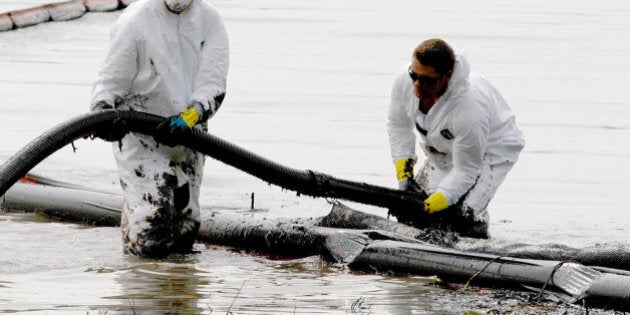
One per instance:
(152, 247)
(185, 219)
(476, 229)
(467, 223)
(149, 247)
(184, 241)
(156, 232)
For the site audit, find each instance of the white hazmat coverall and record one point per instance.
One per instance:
(159, 62)
(469, 137)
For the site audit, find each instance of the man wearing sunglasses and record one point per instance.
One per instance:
(468, 134)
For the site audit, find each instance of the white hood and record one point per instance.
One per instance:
(459, 82)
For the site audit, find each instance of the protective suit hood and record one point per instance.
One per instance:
(459, 82)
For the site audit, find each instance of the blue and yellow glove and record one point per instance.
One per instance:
(185, 120)
(172, 127)
(404, 173)
(435, 203)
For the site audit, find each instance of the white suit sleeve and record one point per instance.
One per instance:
(119, 68)
(210, 82)
(400, 126)
(468, 151)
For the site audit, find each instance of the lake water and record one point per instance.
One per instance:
(308, 87)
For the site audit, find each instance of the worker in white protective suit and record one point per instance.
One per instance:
(169, 58)
(467, 132)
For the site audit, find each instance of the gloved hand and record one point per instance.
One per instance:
(404, 173)
(186, 119)
(169, 129)
(435, 203)
(114, 132)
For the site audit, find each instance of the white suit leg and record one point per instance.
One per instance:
(478, 198)
(161, 191)
(469, 216)
(429, 177)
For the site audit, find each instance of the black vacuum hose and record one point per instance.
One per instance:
(307, 182)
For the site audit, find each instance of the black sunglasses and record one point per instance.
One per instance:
(423, 79)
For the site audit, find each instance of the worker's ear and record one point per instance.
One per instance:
(447, 76)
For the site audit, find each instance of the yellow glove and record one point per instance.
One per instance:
(185, 120)
(404, 173)
(404, 169)
(190, 116)
(435, 203)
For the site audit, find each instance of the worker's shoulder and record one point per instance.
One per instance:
(206, 8)
(133, 12)
(137, 6)
(139, 15)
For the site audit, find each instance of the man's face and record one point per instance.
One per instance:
(427, 82)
